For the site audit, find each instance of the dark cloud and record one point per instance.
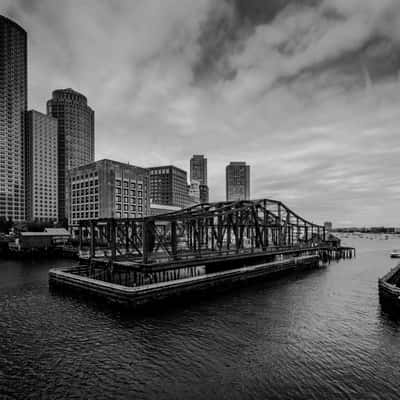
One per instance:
(306, 91)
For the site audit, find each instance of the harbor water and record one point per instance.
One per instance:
(318, 334)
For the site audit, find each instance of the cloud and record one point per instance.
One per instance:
(307, 92)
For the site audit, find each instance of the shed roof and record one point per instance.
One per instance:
(57, 231)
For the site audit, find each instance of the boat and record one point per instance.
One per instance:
(395, 254)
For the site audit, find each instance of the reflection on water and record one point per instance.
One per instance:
(320, 334)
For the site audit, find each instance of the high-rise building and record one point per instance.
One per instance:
(75, 136)
(107, 189)
(13, 105)
(168, 186)
(237, 181)
(198, 172)
(204, 194)
(41, 165)
(198, 169)
(194, 191)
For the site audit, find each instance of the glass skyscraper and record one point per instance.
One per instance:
(13, 105)
(237, 181)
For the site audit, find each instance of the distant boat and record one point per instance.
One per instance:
(395, 254)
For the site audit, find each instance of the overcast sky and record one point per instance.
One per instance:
(306, 91)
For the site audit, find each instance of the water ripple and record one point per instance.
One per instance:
(316, 335)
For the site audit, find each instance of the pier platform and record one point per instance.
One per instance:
(74, 278)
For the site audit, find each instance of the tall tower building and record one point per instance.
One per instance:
(41, 167)
(75, 136)
(198, 173)
(237, 181)
(198, 169)
(13, 104)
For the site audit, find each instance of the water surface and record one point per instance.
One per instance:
(315, 335)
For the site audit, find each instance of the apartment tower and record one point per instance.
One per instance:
(75, 136)
(13, 105)
(198, 173)
(237, 181)
(41, 167)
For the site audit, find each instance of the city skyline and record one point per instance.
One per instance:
(328, 159)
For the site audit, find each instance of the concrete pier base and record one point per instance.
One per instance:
(71, 278)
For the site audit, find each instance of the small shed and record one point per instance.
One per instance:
(34, 241)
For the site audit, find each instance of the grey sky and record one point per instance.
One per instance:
(307, 92)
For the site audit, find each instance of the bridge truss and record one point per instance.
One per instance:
(206, 230)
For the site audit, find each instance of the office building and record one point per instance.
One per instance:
(13, 105)
(194, 191)
(168, 186)
(237, 181)
(198, 172)
(41, 167)
(107, 189)
(204, 197)
(75, 136)
(198, 169)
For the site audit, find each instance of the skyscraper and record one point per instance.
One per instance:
(75, 136)
(198, 173)
(41, 167)
(13, 104)
(237, 181)
(198, 169)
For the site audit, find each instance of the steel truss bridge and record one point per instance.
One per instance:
(230, 230)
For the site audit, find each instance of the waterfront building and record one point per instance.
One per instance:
(107, 189)
(168, 186)
(13, 105)
(204, 196)
(237, 181)
(198, 172)
(198, 169)
(194, 191)
(75, 136)
(41, 167)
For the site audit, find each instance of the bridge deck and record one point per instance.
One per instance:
(208, 258)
